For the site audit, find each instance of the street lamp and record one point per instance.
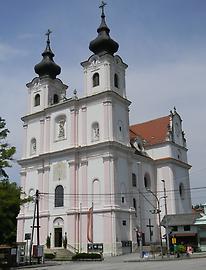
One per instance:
(157, 211)
(166, 220)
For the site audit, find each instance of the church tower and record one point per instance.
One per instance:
(104, 79)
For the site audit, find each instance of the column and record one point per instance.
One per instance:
(72, 177)
(47, 135)
(108, 122)
(41, 150)
(46, 189)
(107, 180)
(84, 183)
(40, 186)
(26, 143)
(84, 125)
(74, 126)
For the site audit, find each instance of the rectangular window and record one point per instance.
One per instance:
(174, 228)
(124, 222)
(187, 228)
(134, 180)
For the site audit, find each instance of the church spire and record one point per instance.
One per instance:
(47, 67)
(103, 44)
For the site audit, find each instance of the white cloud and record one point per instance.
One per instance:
(7, 52)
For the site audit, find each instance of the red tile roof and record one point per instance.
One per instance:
(153, 132)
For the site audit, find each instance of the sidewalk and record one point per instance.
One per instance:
(135, 257)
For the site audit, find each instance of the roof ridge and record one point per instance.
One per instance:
(150, 120)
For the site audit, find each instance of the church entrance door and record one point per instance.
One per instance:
(57, 237)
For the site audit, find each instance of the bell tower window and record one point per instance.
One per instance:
(55, 99)
(37, 100)
(116, 80)
(95, 79)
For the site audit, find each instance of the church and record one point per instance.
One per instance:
(101, 181)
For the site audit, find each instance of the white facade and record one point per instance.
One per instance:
(81, 148)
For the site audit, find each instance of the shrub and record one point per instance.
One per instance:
(87, 256)
(181, 248)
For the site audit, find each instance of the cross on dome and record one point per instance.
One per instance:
(103, 4)
(48, 33)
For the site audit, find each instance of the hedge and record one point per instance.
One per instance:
(87, 256)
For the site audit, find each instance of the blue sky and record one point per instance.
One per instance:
(162, 41)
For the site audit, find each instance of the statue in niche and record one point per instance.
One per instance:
(33, 147)
(96, 132)
(61, 129)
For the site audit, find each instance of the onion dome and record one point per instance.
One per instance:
(103, 44)
(47, 67)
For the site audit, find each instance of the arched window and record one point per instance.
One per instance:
(134, 204)
(147, 181)
(33, 147)
(59, 196)
(96, 191)
(181, 190)
(95, 131)
(55, 99)
(116, 80)
(134, 180)
(37, 100)
(95, 79)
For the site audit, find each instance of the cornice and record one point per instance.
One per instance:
(107, 146)
(167, 160)
(77, 104)
(148, 147)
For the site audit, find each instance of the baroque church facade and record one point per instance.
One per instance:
(96, 174)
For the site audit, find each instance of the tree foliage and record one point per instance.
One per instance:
(6, 151)
(9, 208)
(10, 200)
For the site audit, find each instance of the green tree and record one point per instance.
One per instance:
(9, 208)
(6, 151)
(10, 193)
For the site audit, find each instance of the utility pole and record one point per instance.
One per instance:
(37, 220)
(166, 220)
(32, 234)
(139, 230)
(150, 226)
(158, 211)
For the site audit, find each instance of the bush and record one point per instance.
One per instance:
(87, 256)
(49, 256)
(181, 248)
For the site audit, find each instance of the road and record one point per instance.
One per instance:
(119, 263)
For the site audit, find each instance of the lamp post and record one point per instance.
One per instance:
(157, 211)
(166, 220)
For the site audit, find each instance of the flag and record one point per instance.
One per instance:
(90, 224)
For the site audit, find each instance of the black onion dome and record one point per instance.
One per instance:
(47, 67)
(103, 43)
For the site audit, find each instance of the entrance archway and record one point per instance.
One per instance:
(58, 231)
(57, 237)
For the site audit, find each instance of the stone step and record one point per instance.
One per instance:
(60, 254)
